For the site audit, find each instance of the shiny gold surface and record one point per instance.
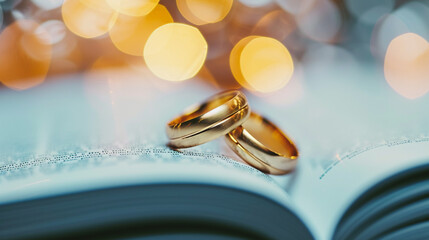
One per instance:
(202, 123)
(263, 145)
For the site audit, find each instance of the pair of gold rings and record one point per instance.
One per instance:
(255, 139)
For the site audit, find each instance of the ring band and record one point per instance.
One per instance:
(214, 118)
(263, 145)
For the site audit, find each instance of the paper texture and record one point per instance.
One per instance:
(352, 130)
(67, 138)
(329, 109)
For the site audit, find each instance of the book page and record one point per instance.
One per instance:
(81, 170)
(351, 174)
(326, 110)
(76, 134)
(352, 130)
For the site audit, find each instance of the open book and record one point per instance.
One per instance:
(80, 162)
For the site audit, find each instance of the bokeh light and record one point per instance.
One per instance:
(235, 61)
(386, 29)
(223, 49)
(66, 57)
(88, 18)
(217, 39)
(16, 14)
(1, 17)
(33, 41)
(261, 64)
(406, 65)
(244, 19)
(56, 29)
(202, 12)
(410, 17)
(133, 7)
(129, 34)
(8, 5)
(175, 51)
(48, 4)
(26, 55)
(370, 10)
(321, 21)
(256, 3)
(295, 6)
(415, 15)
(277, 24)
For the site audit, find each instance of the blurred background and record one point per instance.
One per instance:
(332, 73)
(57, 37)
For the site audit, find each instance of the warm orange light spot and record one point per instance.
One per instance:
(406, 65)
(129, 34)
(24, 67)
(234, 61)
(261, 63)
(175, 51)
(88, 18)
(133, 7)
(202, 12)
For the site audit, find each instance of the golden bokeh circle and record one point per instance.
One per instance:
(133, 7)
(129, 34)
(26, 54)
(88, 18)
(261, 64)
(200, 12)
(175, 51)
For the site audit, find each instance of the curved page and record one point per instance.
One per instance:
(80, 135)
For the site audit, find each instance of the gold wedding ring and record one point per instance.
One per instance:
(255, 139)
(215, 117)
(263, 145)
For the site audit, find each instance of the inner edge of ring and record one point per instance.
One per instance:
(273, 152)
(234, 140)
(286, 137)
(212, 125)
(267, 149)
